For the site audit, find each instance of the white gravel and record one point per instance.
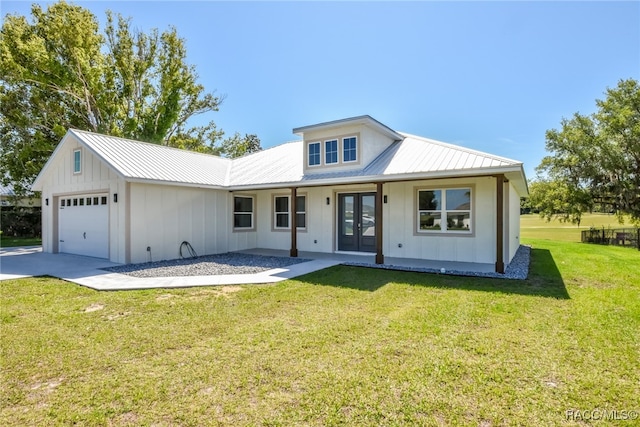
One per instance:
(238, 263)
(518, 268)
(208, 265)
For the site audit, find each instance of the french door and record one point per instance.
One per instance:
(357, 222)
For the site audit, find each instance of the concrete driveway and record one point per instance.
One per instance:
(16, 263)
(22, 262)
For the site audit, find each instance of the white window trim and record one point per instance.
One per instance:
(356, 148)
(79, 171)
(319, 143)
(337, 141)
(443, 212)
(289, 206)
(252, 213)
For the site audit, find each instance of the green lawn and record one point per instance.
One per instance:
(342, 346)
(532, 226)
(6, 241)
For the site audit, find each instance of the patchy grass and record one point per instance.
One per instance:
(342, 346)
(7, 242)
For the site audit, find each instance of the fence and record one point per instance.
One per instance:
(629, 237)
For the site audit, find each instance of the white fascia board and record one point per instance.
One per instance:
(366, 120)
(175, 183)
(37, 183)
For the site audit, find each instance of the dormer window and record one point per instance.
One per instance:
(331, 151)
(349, 149)
(314, 154)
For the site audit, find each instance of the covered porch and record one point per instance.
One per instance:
(365, 259)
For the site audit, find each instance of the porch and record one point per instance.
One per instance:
(366, 259)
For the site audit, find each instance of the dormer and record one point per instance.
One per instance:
(344, 145)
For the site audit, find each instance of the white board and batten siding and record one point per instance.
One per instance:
(70, 223)
(165, 216)
(400, 212)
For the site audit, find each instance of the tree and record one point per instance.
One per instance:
(556, 199)
(237, 146)
(60, 72)
(595, 160)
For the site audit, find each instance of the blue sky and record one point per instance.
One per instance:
(491, 76)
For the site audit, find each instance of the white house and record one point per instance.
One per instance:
(351, 185)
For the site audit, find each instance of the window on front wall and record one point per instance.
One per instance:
(242, 212)
(444, 210)
(314, 154)
(77, 161)
(331, 151)
(349, 150)
(282, 212)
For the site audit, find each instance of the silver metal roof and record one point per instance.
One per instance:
(279, 164)
(412, 157)
(415, 154)
(152, 162)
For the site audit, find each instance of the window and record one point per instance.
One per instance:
(281, 212)
(349, 151)
(314, 154)
(444, 210)
(331, 151)
(62, 202)
(242, 212)
(77, 161)
(301, 212)
(89, 201)
(103, 200)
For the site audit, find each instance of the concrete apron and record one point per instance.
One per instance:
(23, 262)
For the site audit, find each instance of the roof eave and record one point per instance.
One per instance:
(366, 120)
(512, 169)
(38, 183)
(138, 180)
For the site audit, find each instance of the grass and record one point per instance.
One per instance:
(532, 226)
(7, 242)
(342, 346)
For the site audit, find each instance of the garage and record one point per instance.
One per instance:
(83, 225)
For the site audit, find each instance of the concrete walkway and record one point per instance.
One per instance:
(22, 262)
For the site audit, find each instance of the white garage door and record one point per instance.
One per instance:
(83, 225)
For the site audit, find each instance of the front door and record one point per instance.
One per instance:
(357, 222)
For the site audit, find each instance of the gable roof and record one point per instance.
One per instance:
(409, 158)
(140, 161)
(359, 120)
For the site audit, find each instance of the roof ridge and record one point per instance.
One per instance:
(461, 148)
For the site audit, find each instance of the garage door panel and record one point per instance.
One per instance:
(83, 225)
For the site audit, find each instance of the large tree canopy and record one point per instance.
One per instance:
(59, 71)
(595, 160)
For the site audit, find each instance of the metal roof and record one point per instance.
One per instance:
(365, 120)
(415, 154)
(136, 160)
(282, 163)
(412, 157)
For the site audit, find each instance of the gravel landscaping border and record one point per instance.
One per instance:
(207, 265)
(518, 269)
(240, 263)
